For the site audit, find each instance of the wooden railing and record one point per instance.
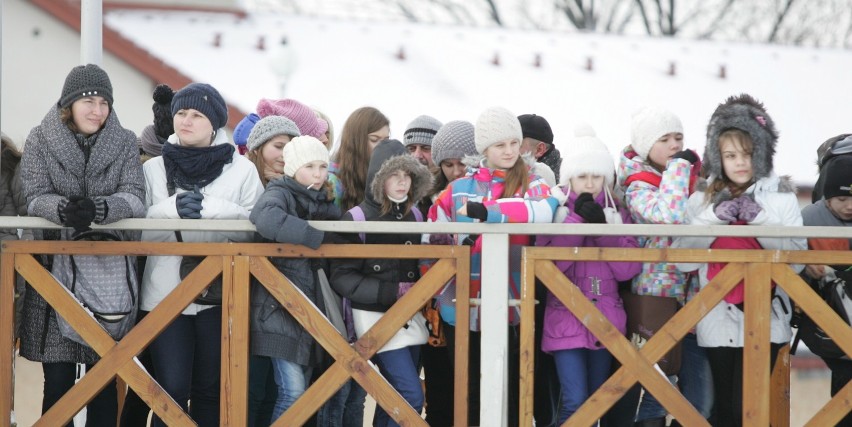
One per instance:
(759, 268)
(235, 263)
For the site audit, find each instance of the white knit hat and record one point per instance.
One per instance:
(588, 155)
(648, 125)
(301, 151)
(494, 125)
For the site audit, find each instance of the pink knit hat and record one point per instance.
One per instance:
(299, 113)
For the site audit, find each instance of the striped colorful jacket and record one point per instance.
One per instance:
(485, 185)
(661, 202)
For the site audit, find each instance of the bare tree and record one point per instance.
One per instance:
(779, 19)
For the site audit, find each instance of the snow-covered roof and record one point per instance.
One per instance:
(337, 66)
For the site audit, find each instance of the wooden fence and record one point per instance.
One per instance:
(238, 262)
(235, 263)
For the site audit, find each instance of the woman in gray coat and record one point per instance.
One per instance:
(80, 167)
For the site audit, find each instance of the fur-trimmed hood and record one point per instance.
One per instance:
(388, 157)
(748, 115)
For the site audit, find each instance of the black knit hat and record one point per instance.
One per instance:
(838, 177)
(536, 127)
(163, 119)
(748, 115)
(85, 80)
(204, 98)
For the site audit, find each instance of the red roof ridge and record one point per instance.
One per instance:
(137, 57)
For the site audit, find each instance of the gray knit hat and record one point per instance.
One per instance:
(270, 127)
(421, 131)
(204, 98)
(85, 80)
(454, 140)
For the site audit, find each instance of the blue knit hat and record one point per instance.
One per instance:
(244, 127)
(204, 98)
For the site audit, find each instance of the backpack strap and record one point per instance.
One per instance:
(358, 215)
(417, 214)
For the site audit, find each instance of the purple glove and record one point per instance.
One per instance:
(748, 209)
(403, 288)
(727, 210)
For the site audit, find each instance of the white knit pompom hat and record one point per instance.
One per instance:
(648, 125)
(301, 151)
(496, 124)
(588, 155)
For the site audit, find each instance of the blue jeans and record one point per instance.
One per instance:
(581, 371)
(262, 392)
(187, 359)
(695, 381)
(292, 379)
(345, 408)
(400, 368)
(60, 377)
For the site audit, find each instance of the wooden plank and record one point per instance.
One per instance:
(306, 313)
(461, 358)
(830, 322)
(779, 399)
(7, 335)
(691, 255)
(639, 365)
(834, 410)
(118, 357)
(230, 249)
(756, 357)
(674, 330)
(814, 306)
(527, 341)
(235, 340)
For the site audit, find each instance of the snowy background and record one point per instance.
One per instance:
(338, 65)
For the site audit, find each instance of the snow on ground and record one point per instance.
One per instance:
(338, 65)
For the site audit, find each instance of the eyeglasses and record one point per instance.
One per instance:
(844, 146)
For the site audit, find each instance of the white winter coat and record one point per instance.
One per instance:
(723, 325)
(231, 196)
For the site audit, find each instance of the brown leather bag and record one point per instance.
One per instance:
(646, 314)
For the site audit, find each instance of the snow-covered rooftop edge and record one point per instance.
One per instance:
(449, 73)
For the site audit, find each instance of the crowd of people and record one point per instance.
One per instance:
(80, 167)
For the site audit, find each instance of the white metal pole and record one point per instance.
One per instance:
(495, 309)
(91, 32)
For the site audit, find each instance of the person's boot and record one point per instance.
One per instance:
(651, 422)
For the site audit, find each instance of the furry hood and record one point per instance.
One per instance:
(748, 115)
(390, 156)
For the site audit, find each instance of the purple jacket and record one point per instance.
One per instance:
(597, 279)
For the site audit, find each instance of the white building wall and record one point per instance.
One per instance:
(35, 66)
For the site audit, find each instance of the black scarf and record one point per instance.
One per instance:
(191, 167)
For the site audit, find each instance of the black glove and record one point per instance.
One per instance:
(79, 213)
(687, 155)
(589, 210)
(189, 204)
(470, 240)
(477, 210)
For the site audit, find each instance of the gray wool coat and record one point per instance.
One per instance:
(53, 168)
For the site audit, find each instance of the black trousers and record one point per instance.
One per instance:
(726, 364)
(841, 374)
(60, 377)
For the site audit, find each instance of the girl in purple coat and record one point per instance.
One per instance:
(582, 363)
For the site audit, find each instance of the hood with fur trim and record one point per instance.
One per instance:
(388, 157)
(748, 115)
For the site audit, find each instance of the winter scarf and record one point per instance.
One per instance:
(190, 167)
(150, 143)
